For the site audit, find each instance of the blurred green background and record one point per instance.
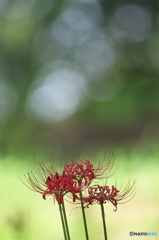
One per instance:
(78, 78)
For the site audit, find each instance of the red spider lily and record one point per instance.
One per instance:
(80, 171)
(60, 187)
(54, 184)
(87, 171)
(102, 194)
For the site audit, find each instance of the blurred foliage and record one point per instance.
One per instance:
(77, 73)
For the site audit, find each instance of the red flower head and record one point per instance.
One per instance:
(54, 184)
(80, 171)
(85, 171)
(60, 186)
(103, 194)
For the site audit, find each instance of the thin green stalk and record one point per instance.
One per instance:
(62, 220)
(65, 219)
(84, 218)
(104, 225)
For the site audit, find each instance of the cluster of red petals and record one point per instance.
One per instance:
(59, 185)
(85, 171)
(77, 177)
(48, 182)
(102, 194)
(81, 172)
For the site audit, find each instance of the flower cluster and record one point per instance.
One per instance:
(77, 181)
(76, 178)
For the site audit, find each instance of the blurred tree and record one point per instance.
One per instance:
(74, 73)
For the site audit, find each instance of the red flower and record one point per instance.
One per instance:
(81, 172)
(102, 194)
(60, 187)
(85, 171)
(54, 184)
(75, 178)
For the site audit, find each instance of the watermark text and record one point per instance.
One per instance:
(142, 234)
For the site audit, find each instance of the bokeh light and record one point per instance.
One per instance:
(131, 22)
(57, 96)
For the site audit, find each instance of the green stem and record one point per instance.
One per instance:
(62, 220)
(104, 225)
(84, 218)
(65, 219)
